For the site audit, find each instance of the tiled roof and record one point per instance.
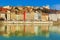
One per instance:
(44, 10)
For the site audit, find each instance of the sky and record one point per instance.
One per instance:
(54, 4)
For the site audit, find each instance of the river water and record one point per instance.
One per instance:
(29, 32)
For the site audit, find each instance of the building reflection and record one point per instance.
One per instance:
(24, 29)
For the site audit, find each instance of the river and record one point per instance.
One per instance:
(29, 32)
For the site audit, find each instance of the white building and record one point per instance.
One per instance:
(53, 17)
(3, 16)
(36, 16)
(58, 16)
(8, 15)
(8, 7)
(47, 7)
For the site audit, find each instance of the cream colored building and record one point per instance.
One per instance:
(8, 15)
(36, 16)
(2, 15)
(13, 16)
(58, 16)
(53, 17)
(44, 17)
(19, 17)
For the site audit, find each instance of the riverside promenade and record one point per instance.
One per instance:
(28, 22)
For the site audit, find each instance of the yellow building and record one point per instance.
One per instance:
(13, 16)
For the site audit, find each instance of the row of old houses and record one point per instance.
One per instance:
(29, 14)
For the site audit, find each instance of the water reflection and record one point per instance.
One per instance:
(25, 30)
(55, 28)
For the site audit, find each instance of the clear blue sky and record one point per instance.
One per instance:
(53, 3)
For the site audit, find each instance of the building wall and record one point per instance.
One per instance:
(19, 17)
(53, 17)
(3, 16)
(44, 17)
(30, 16)
(8, 16)
(13, 16)
(58, 16)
